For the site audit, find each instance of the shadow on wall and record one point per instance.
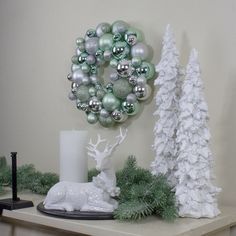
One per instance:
(228, 137)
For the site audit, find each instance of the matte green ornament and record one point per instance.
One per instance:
(113, 63)
(122, 88)
(106, 121)
(79, 41)
(100, 94)
(92, 118)
(136, 61)
(85, 68)
(106, 42)
(92, 91)
(74, 60)
(110, 102)
(83, 93)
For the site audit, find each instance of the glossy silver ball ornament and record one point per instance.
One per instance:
(124, 68)
(140, 91)
(133, 80)
(110, 102)
(106, 42)
(102, 29)
(119, 116)
(109, 87)
(82, 106)
(69, 77)
(120, 50)
(83, 93)
(131, 98)
(92, 118)
(147, 94)
(119, 27)
(74, 87)
(95, 105)
(130, 108)
(140, 50)
(90, 60)
(132, 36)
(104, 113)
(122, 88)
(91, 45)
(72, 96)
(82, 58)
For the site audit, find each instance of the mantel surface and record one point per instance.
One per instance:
(150, 226)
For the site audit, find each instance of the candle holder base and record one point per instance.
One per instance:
(76, 215)
(10, 204)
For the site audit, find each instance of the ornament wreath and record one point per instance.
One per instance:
(121, 47)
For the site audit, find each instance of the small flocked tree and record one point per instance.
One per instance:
(195, 193)
(167, 107)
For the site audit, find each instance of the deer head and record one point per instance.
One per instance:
(102, 157)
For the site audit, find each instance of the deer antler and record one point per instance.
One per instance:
(120, 138)
(92, 147)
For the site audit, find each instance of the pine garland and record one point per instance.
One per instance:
(142, 194)
(27, 178)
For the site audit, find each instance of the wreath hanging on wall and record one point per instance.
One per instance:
(121, 47)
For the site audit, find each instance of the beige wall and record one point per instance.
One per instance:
(37, 40)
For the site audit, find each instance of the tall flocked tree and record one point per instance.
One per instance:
(195, 193)
(167, 108)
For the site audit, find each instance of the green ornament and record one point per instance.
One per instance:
(91, 33)
(92, 91)
(82, 57)
(106, 121)
(83, 93)
(136, 61)
(117, 37)
(148, 70)
(106, 42)
(79, 41)
(74, 60)
(85, 68)
(100, 94)
(132, 36)
(110, 102)
(122, 88)
(92, 118)
(113, 63)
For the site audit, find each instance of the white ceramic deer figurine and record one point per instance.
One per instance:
(93, 196)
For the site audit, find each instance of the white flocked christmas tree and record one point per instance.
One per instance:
(195, 193)
(167, 109)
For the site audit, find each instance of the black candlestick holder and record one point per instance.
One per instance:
(14, 202)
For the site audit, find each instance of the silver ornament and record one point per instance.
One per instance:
(74, 87)
(147, 94)
(141, 81)
(94, 79)
(132, 80)
(82, 106)
(139, 91)
(75, 67)
(104, 113)
(131, 98)
(90, 60)
(78, 76)
(107, 55)
(91, 45)
(140, 50)
(85, 80)
(72, 96)
(95, 105)
(69, 77)
(124, 68)
(119, 116)
(113, 76)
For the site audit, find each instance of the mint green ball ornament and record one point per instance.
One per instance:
(147, 69)
(83, 93)
(132, 36)
(106, 121)
(110, 102)
(92, 118)
(131, 108)
(106, 42)
(121, 88)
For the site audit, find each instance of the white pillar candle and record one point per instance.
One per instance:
(73, 157)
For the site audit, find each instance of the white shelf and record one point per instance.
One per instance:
(152, 226)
